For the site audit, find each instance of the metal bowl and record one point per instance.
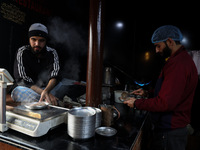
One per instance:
(106, 131)
(82, 111)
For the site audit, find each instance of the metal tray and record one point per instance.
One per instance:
(33, 105)
(106, 131)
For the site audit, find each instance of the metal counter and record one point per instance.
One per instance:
(128, 127)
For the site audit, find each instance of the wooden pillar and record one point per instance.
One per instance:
(95, 54)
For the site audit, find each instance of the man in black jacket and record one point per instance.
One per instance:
(36, 68)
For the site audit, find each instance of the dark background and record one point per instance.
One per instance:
(124, 48)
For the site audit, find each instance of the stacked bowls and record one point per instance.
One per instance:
(81, 122)
(98, 117)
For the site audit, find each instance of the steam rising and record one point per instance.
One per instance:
(72, 39)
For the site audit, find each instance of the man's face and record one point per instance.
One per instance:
(163, 49)
(37, 43)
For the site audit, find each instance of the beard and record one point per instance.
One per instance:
(166, 52)
(160, 58)
(36, 49)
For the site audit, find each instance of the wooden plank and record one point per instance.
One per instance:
(4, 146)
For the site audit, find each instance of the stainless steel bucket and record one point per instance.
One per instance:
(81, 122)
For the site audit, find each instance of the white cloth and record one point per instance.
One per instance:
(195, 54)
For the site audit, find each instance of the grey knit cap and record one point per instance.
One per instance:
(38, 29)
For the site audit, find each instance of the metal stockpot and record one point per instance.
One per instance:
(81, 122)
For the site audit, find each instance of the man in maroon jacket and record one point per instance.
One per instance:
(170, 109)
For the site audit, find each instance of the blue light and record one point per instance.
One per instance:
(142, 84)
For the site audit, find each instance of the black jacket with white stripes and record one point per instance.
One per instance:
(30, 69)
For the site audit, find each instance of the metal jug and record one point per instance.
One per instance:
(109, 78)
(109, 114)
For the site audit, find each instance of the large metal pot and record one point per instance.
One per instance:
(81, 122)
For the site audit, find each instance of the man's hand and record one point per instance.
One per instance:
(45, 94)
(130, 102)
(48, 97)
(140, 92)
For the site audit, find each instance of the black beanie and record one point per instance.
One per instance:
(38, 29)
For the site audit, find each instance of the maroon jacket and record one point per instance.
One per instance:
(171, 108)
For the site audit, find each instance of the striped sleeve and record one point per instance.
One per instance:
(56, 66)
(20, 65)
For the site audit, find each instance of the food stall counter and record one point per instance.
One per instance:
(128, 128)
